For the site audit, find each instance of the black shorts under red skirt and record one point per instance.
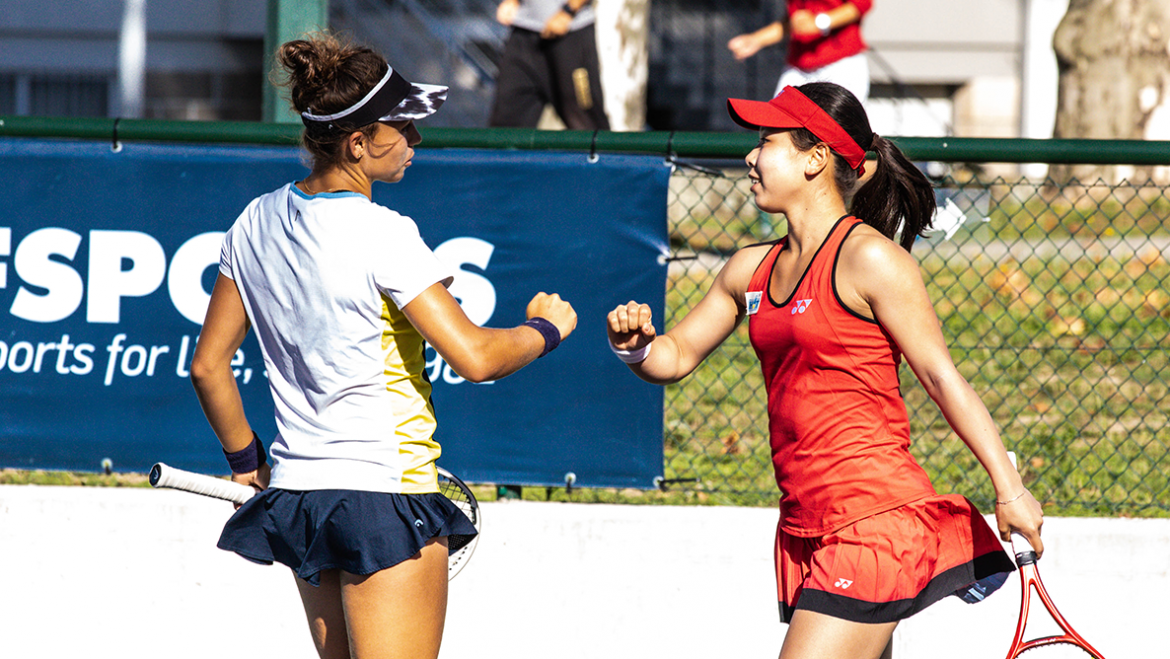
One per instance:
(892, 565)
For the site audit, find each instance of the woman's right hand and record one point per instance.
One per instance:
(629, 326)
(555, 310)
(257, 479)
(1024, 516)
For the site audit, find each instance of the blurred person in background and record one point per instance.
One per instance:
(342, 293)
(824, 44)
(550, 58)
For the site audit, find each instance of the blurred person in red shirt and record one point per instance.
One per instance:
(824, 44)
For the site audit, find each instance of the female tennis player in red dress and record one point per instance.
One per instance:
(863, 540)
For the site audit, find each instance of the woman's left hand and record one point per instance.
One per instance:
(1024, 516)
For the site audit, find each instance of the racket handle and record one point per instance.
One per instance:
(163, 475)
(1025, 554)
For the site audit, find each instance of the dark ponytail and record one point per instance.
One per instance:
(897, 194)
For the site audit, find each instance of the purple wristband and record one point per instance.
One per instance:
(249, 458)
(552, 335)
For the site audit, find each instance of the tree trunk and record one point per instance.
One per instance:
(1114, 80)
(623, 29)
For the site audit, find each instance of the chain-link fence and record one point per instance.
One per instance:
(1054, 303)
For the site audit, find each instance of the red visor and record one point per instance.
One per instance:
(792, 109)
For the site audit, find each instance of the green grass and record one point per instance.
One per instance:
(42, 477)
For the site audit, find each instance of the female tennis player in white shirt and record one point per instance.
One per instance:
(342, 294)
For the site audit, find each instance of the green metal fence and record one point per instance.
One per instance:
(1053, 299)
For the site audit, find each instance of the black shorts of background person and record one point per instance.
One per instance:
(535, 72)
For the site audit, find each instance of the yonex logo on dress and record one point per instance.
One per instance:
(801, 305)
(843, 583)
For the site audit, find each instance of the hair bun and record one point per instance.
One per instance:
(312, 67)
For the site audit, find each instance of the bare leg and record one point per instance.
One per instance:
(326, 618)
(818, 636)
(398, 612)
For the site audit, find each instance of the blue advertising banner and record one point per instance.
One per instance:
(107, 261)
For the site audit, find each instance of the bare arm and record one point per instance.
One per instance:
(803, 22)
(746, 45)
(479, 353)
(884, 279)
(224, 328)
(680, 351)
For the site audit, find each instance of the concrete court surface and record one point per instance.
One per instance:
(106, 572)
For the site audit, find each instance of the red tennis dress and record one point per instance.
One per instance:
(862, 535)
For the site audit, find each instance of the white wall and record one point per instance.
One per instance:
(130, 572)
(999, 52)
(946, 41)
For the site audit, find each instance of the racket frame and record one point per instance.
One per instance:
(1026, 561)
(459, 558)
(1030, 580)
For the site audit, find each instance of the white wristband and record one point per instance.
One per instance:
(632, 356)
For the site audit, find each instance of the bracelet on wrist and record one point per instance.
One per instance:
(1006, 502)
(568, 9)
(552, 335)
(249, 458)
(632, 356)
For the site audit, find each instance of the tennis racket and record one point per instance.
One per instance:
(163, 475)
(1066, 645)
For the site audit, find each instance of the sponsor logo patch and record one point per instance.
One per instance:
(752, 300)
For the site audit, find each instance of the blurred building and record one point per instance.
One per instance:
(61, 58)
(204, 59)
(939, 67)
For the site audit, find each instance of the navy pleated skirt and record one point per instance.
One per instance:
(355, 531)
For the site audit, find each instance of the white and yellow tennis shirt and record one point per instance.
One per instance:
(324, 278)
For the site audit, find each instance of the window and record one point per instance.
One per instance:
(54, 95)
